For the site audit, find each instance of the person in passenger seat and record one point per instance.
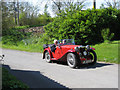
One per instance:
(63, 43)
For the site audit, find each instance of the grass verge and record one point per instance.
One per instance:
(108, 52)
(10, 82)
(21, 47)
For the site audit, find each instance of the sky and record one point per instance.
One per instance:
(41, 3)
(89, 4)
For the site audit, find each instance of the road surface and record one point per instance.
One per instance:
(37, 73)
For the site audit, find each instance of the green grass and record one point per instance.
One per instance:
(22, 47)
(107, 52)
(20, 27)
(10, 82)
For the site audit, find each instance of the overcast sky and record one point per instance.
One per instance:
(41, 3)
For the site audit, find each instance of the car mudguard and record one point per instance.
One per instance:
(92, 48)
(70, 51)
(47, 49)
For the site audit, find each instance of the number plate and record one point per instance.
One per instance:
(88, 61)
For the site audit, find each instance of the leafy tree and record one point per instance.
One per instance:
(84, 26)
(7, 16)
(59, 6)
(113, 3)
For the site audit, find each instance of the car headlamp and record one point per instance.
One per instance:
(85, 53)
(88, 47)
(76, 49)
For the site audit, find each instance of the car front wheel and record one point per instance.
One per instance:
(71, 60)
(93, 57)
(47, 57)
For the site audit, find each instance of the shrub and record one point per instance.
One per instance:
(84, 26)
(12, 36)
(106, 34)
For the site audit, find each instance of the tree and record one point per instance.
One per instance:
(18, 11)
(15, 9)
(7, 15)
(102, 6)
(45, 10)
(22, 13)
(113, 3)
(57, 6)
(0, 20)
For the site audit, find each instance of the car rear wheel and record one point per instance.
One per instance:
(47, 57)
(71, 60)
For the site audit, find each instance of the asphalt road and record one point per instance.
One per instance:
(37, 73)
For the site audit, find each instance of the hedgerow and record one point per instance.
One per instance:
(86, 26)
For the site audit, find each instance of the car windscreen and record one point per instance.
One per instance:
(67, 41)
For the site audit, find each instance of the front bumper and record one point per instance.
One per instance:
(85, 60)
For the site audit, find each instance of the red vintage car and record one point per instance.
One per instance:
(75, 55)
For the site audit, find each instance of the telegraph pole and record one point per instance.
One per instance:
(94, 4)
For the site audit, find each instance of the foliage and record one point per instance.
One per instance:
(20, 27)
(59, 6)
(7, 17)
(13, 35)
(84, 26)
(28, 15)
(106, 34)
(31, 44)
(10, 82)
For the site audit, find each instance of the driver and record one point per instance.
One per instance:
(64, 42)
(53, 47)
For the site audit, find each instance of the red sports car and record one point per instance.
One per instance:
(75, 55)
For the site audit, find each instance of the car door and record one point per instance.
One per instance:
(57, 53)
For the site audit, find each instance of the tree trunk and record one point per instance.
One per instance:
(15, 12)
(18, 11)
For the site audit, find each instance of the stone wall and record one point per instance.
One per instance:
(33, 30)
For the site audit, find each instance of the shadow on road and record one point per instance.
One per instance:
(97, 65)
(34, 79)
(85, 66)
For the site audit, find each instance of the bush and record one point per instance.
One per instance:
(12, 36)
(84, 26)
(106, 34)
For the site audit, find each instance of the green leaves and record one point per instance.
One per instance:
(106, 34)
(85, 26)
(13, 35)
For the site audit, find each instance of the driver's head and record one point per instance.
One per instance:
(55, 42)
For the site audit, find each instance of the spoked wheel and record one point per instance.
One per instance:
(47, 57)
(93, 57)
(71, 60)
